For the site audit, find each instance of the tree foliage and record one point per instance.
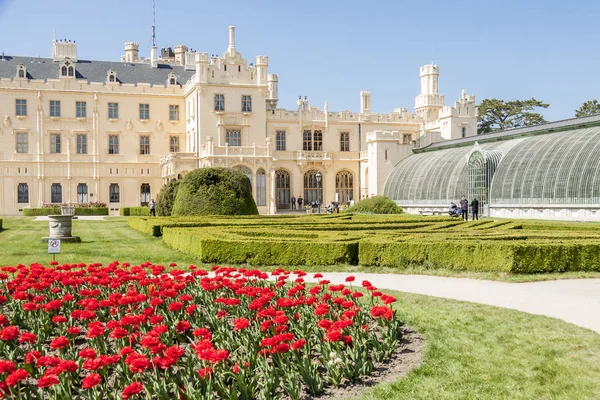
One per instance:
(497, 114)
(166, 198)
(590, 107)
(376, 205)
(214, 191)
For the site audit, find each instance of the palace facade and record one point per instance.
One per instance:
(75, 130)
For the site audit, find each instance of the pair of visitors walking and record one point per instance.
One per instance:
(464, 206)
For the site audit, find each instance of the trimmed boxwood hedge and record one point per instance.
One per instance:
(33, 212)
(135, 211)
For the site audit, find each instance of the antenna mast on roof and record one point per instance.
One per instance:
(153, 23)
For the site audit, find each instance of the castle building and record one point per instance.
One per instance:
(77, 130)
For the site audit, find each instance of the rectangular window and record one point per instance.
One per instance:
(81, 109)
(144, 144)
(82, 143)
(82, 193)
(56, 193)
(173, 113)
(22, 142)
(307, 141)
(144, 111)
(145, 194)
(174, 144)
(318, 141)
(247, 104)
(345, 141)
(113, 110)
(21, 108)
(23, 193)
(113, 144)
(113, 190)
(55, 143)
(233, 137)
(280, 141)
(406, 138)
(55, 108)
(219, 102)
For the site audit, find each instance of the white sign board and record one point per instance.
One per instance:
(54, 246)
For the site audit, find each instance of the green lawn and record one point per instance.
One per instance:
(472, 351)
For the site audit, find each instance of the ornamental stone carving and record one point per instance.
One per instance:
(159, 125)
(129, 125)
(6, 122)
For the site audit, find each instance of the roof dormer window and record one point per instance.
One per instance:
(67, 68)
(111, 76)
(21, 71)
(172, 79)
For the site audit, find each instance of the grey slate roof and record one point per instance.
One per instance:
(563, 125)
(95, 71)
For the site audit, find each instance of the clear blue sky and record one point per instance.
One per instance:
(330, 50)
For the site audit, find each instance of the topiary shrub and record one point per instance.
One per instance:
(214, 191)
(376, 205)
(166, 198)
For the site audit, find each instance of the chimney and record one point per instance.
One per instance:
(365, 102)
(131, 52)
(231, 48)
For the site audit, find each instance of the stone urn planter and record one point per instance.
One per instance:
(61, 228)
(67, 210)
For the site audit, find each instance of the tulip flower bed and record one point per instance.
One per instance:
(120, 331)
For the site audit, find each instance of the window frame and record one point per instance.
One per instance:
(145, 194)
(144, 111)
(173, 112)
(246, 103)
(81, 143)
(82, 195)
(21, 107)
(233, 137)
(113, 110)
(280, 140)
(81, 109)
(344, 141)
(21, 193)
(173, 144)
(114, 193)
(144, 147)
(113, 146)
(55, 143)
(24, 143)
(55, 108)
(56, 190)
(219, 102)
(307, 142)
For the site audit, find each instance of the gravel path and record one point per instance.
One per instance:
(573, 300)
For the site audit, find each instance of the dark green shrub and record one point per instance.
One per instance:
(376, 205)
(34, 212)
(166, 198)
(135, 211)
(214, 191)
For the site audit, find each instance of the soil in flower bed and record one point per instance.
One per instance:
(119, 331)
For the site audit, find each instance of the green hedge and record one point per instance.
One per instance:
(33, 212)
(0, 224)
(261, 252)
(135, 211)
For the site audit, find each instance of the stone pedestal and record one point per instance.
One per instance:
(60, 228)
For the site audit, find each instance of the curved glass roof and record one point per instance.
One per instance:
(556, 168)
(552, 168)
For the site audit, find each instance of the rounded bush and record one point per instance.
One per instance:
(376, 205)
(166, 198)
(214, 191)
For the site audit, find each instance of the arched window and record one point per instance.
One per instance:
(282, 189)
(56, 193)
(261, 188)
(71, 71)
(82, 193)
(63, 71)
(172, 79)
(115, 195)
(21, 71)
(313, 191)
(111, 76)
(145, 194)
(23, 193)
(344, 186)
(244, 170)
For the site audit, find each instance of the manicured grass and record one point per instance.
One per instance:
(102, 241)
(472, 351)
(482, 352)
(112, 239)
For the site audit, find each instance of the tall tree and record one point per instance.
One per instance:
(497, 114)
(590, 107)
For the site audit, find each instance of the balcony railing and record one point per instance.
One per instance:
(313, 155)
